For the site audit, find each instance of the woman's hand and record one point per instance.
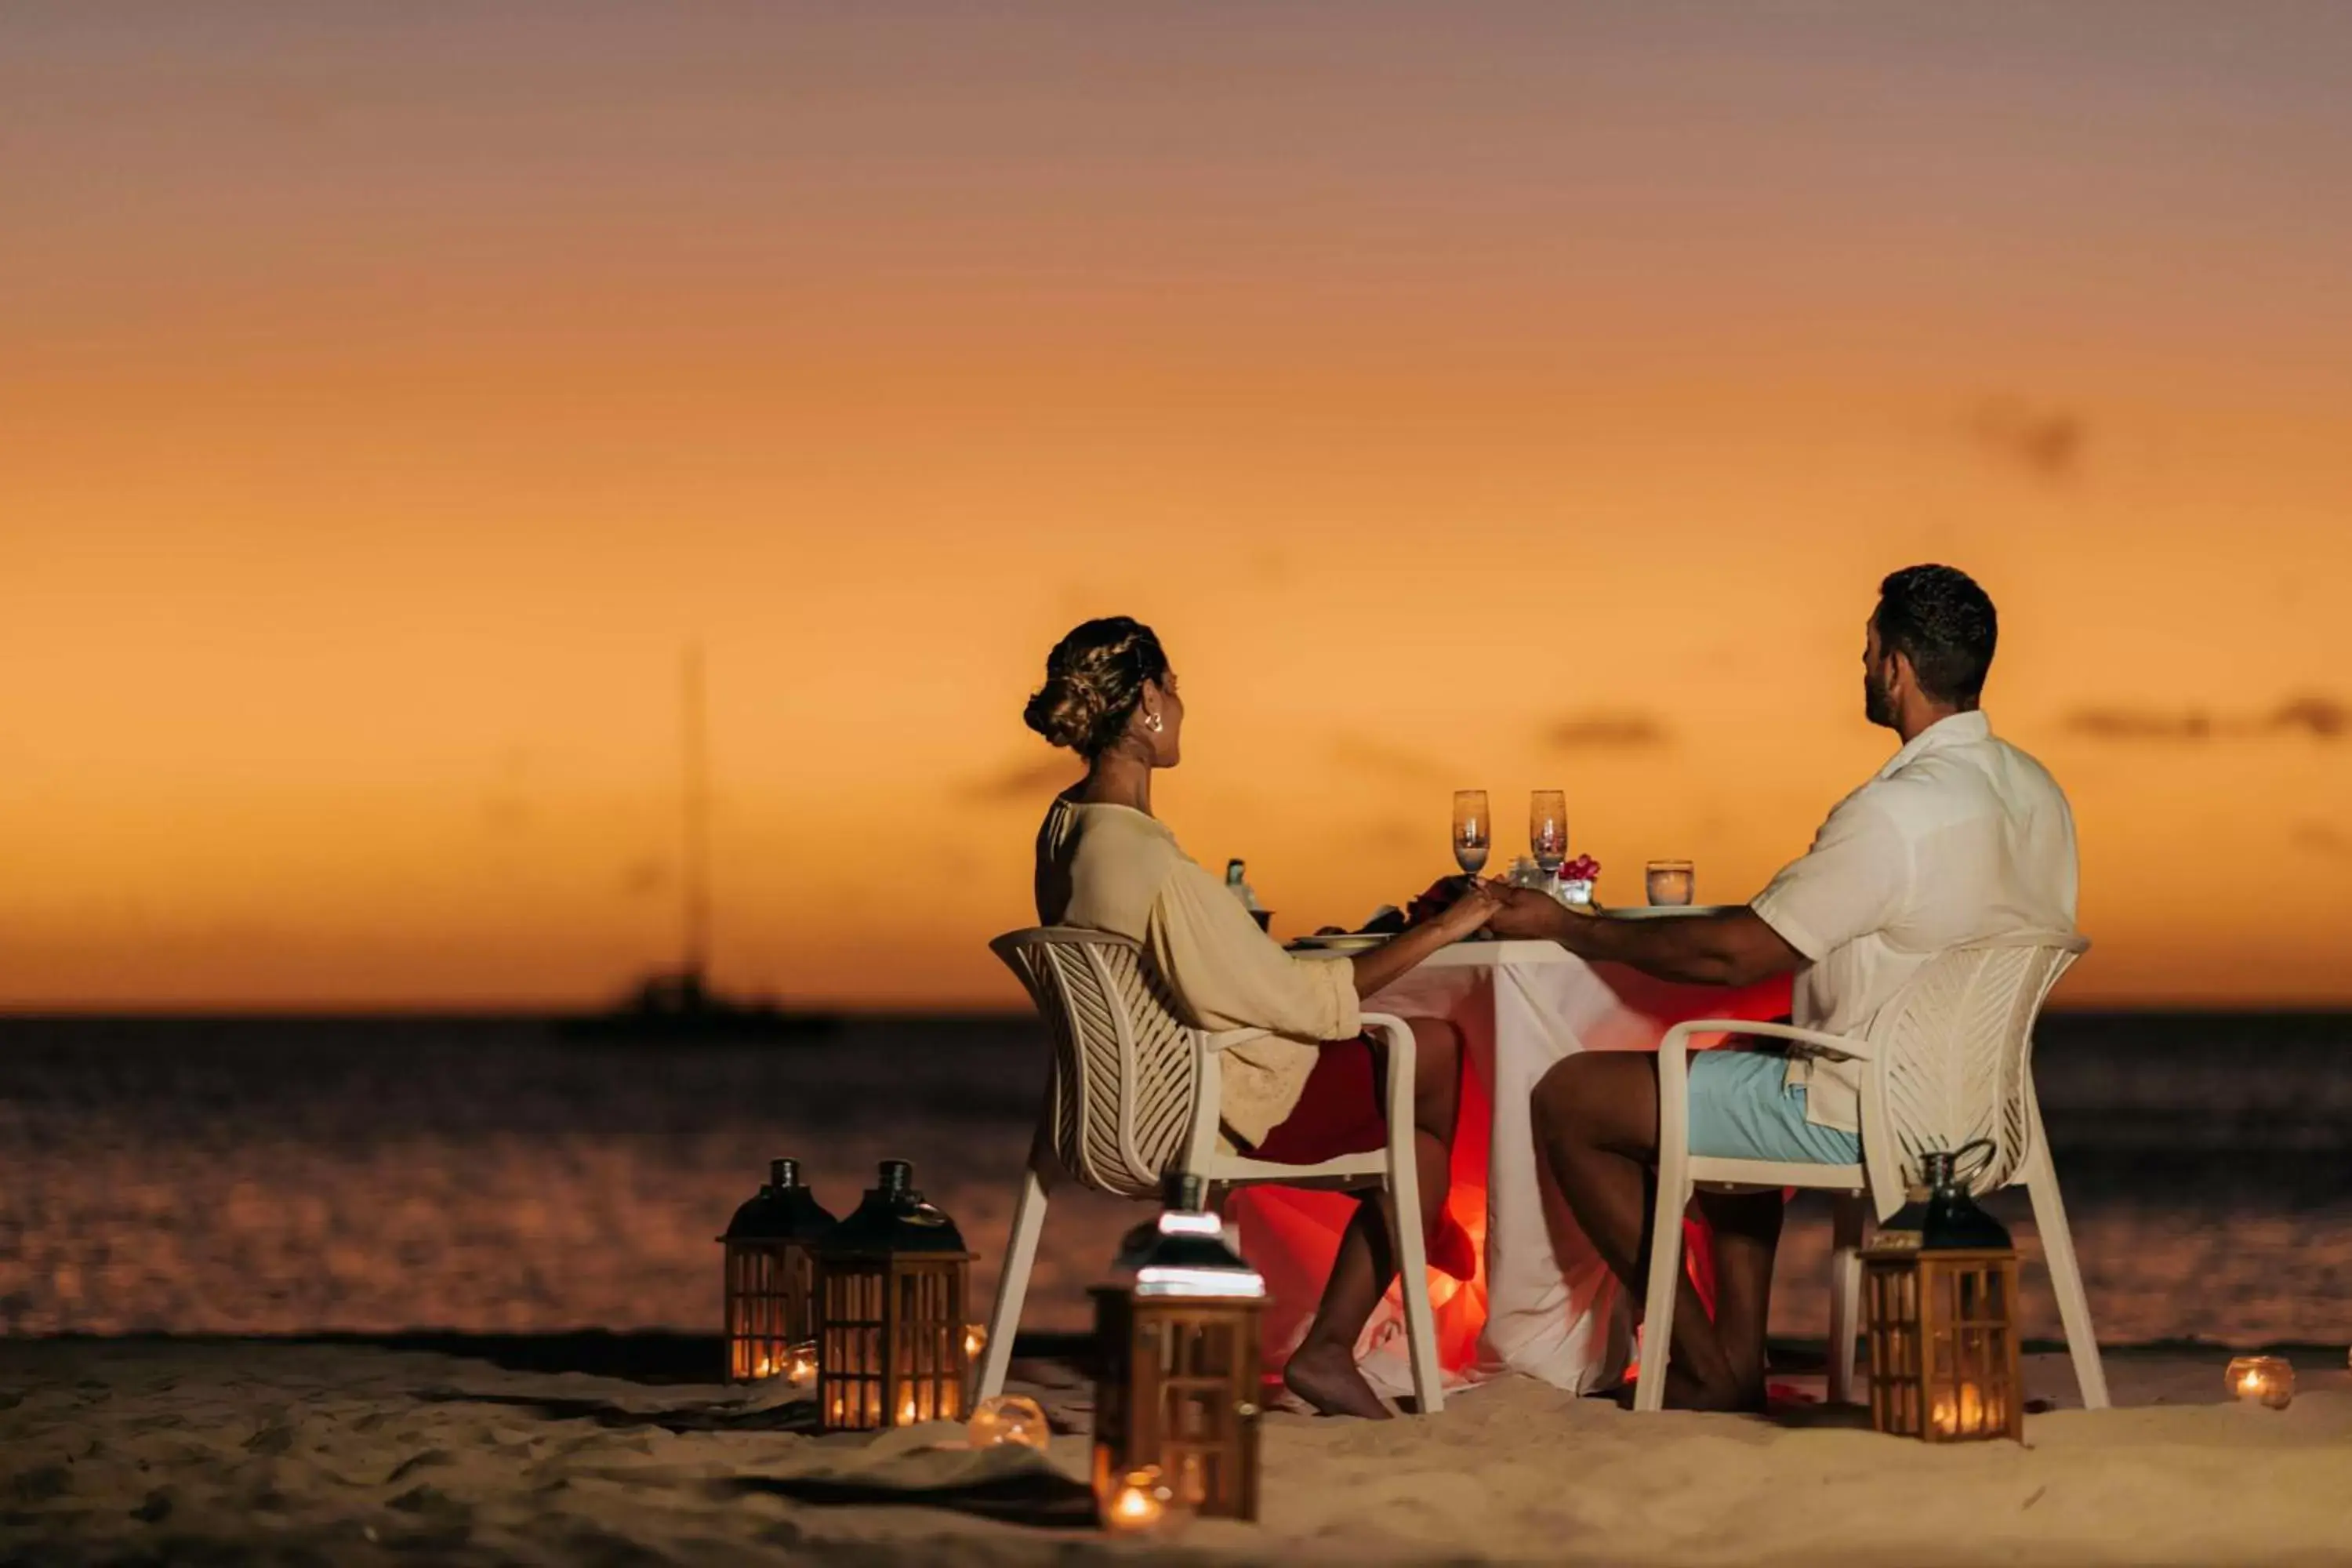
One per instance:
(1469, 913)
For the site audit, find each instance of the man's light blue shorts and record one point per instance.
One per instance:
(1740, 1108)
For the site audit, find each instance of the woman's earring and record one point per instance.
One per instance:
(1152, 722)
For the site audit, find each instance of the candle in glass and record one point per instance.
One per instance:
(1009, 1418)
(2263, 1379)
(975, 1340)
(1671, 882)
(1138, 1503)
(800, 1365)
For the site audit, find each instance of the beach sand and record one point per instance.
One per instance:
(246, 1451)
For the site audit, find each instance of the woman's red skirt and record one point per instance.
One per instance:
(1338, 1112)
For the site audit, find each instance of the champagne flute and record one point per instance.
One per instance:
(1547, 829)
(1474, 831)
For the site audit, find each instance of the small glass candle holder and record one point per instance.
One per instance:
(1009, 1418)
(800, 1364)
(1671, 883)
(975, 1340)
(2263, 1379)
(1139, 1502)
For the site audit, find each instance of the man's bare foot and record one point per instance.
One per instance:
(1326, 1377)
(1684, 1392)
(1690, 1393)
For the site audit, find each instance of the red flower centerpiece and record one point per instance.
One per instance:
(1575, 879)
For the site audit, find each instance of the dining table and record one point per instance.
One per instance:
(1541, 1302)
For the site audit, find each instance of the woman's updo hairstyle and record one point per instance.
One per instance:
(1094, 680)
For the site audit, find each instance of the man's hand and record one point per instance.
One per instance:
(1525, 912)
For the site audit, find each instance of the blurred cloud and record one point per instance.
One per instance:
(1029, 779)
(1624, 730)
(2046, 443)
(2319, 718)
(2321, 839)
(1399, 763)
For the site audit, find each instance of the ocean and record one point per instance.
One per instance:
(291, 1176)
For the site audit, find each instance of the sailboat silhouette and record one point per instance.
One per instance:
(680, 1004)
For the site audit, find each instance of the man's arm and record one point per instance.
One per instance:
(1734, 947)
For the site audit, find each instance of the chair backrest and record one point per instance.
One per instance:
(1126, 1068)
(1955, 1058)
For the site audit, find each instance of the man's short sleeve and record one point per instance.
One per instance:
(1852, 881)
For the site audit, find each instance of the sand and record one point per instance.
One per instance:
(163, 1451)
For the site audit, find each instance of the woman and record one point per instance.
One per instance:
(1106, 863)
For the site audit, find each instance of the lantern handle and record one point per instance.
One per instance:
(1987, 1153)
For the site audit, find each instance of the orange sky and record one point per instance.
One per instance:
(385, 399)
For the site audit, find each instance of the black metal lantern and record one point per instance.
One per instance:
(1178, 1332)
(892, 1280)
(771, 1279)
(1941, 1282)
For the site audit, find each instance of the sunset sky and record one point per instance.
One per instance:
(1508, 395)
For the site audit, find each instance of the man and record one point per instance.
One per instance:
(1960, 836)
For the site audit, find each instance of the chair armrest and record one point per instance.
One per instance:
(1398, 1035)
(1677, 1038)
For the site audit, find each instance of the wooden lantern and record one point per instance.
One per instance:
(771, 1279)
(1177, 1390)
(1939, 1285)
(891, 1280)
(1943, 1345)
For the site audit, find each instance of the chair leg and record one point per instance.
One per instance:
(1012, 1286)
(1413, 1276)
(1846, 1293)
(2066, 1273)
(1666, 1275)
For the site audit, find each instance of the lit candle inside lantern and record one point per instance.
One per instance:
(763, 1367)
(975, 1339)
(2263, 1379)
(906, 1411)
(1138, 1504)
(1956, 1418)
(1009, 1418)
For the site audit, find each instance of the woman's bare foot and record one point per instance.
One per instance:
(1326, 1377)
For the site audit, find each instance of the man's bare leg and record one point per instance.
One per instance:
(1747, 1229)
(1322, 1370)
(1596, 1126)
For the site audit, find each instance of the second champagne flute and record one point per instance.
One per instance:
(1547, 829)
(1474, 832)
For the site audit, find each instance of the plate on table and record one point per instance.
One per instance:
(1342, 942)
(1663, 912)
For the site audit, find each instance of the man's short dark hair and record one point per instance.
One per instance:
(1939, 618)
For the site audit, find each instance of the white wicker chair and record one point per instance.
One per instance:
(1948, 1061)
(1134, 1099)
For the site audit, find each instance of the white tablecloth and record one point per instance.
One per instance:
(1548, 1312)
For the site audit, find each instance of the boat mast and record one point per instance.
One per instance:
(694, 883)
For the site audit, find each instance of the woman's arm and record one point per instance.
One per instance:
(1383, 965)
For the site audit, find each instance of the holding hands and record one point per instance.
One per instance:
(1470, 913)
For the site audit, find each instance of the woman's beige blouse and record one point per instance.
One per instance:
(1111, 868)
